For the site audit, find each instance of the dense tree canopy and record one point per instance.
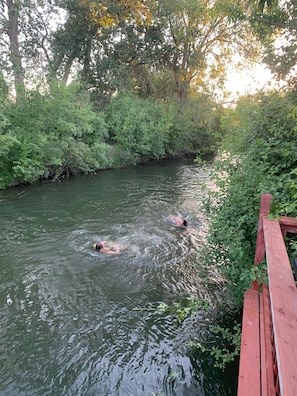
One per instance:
(123, 44)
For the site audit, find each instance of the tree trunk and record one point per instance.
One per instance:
(15, 56)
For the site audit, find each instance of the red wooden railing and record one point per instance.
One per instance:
(268, 354)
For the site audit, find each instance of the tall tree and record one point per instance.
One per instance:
(275, 23)
(71, 41)
(26, 27)
(201, 37)
(10, 13)
(91, 32)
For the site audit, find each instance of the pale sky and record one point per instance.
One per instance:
(249, 81)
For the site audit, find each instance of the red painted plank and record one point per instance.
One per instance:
(288, 224)
(283, 299)
(249, 364)
(262, 348)
(267, 376)
(288, 221)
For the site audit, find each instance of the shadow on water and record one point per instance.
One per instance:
(68, 319)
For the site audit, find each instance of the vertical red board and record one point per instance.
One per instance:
(249, 363)
(266, 346)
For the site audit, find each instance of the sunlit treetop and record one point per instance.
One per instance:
(109, 13)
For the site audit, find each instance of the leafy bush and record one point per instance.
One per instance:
(52, 134)
(258, 155)
(227, 344)
(139, 128)
(57, 133)
(144, 130)
(194, 127)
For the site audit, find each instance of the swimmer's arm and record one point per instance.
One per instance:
(114, 249)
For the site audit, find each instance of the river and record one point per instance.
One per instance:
(74, 321)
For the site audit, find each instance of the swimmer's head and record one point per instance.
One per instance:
(98, 245)
(185, 223)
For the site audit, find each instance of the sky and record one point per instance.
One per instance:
(249, 81)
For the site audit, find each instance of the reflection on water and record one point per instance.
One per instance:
(68, 320)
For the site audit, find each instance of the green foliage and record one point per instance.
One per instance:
(154, 48)
(58, 134)
(258, 156)
(139, 128)
(163, 86)
(3, 89)
(227, 344)
(9, 149)
(194, 126)
(272, 20)
(52, 135)
(183, 309)
(291, 244)
(256, 273)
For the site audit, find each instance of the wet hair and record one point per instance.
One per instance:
(185, 223)
(98, 246)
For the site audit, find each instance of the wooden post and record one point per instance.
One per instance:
(260, 244)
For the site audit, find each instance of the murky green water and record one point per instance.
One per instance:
(68, 323)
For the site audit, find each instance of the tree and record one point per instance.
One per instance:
(27, 27)
(124, 44)
(261, 4)
(88, 33)
(200, 38)
(10, 12)
(275, 23)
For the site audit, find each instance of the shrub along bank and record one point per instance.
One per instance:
(59, 133)
(257, 155)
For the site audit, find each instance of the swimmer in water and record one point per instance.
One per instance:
(179, 222)
(102, 247)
